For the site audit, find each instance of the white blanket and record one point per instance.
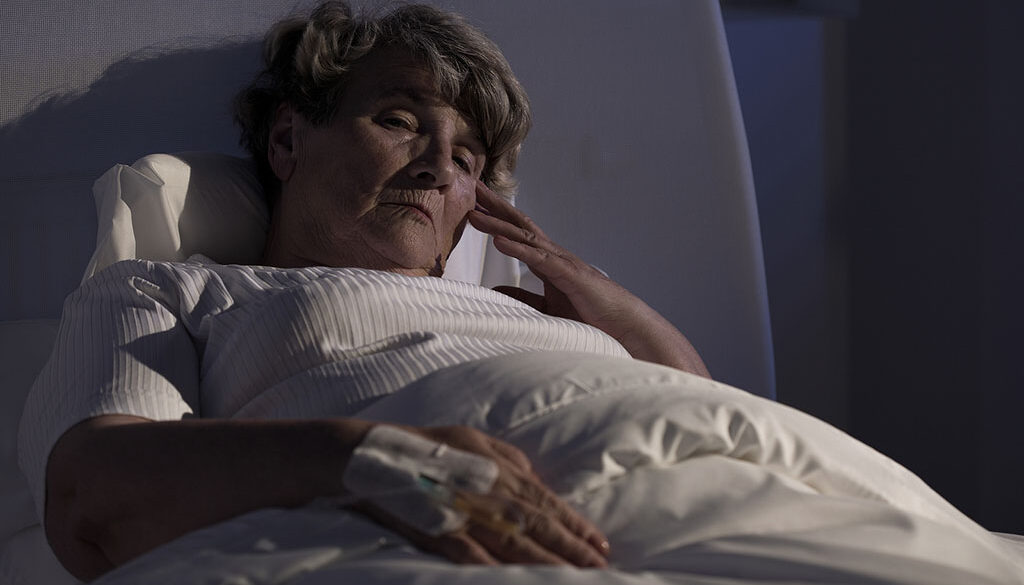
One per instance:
(692, 481)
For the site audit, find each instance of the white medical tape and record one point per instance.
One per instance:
(387, 467)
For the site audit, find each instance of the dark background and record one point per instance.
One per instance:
(887, 141)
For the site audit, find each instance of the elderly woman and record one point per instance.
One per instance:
(181, 395)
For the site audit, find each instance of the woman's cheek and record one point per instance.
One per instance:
(466, 194)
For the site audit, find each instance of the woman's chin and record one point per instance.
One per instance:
(413, 262)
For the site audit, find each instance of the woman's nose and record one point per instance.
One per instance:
(434, 167)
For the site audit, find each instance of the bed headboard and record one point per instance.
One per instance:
(637, 161)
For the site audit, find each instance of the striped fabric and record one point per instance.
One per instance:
(168, 340)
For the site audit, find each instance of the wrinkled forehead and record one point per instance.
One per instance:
(394, 72)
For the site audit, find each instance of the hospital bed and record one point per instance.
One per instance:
(637, 162)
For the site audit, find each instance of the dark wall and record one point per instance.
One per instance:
(887, 150)
(935, 125)
(1002, 317)
(781, 63)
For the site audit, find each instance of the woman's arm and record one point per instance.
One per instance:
(118, 486)
(576, 290)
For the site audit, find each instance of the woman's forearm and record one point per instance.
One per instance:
(573, 289)
(118, 486)
(653, 338)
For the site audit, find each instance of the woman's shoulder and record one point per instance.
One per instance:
(196, 287)
(196, 267)
(156, 272)
(200, 273)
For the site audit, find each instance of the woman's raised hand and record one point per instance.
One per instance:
(574, 289)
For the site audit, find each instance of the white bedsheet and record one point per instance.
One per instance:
(692, 481)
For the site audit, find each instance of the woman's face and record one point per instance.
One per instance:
(386, 185)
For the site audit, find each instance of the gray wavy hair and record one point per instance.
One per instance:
(308, 59)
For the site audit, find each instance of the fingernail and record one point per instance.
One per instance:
(604, 547)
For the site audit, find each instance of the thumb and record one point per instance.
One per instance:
(524, 296)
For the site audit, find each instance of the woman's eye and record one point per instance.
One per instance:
(396, 122)
(464, 163)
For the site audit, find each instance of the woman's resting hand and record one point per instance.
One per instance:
(115, 487)
(552, 532)
(573, 289)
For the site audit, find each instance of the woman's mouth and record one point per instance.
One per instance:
(413, 208)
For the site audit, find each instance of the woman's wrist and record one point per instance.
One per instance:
(655, 339)
(346, 435)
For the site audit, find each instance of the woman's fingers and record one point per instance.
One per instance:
(549, 519)
(503, 228)
(494, 205)
(544, 258)
(516, 235)
(523, 489)
(498, 217)
(462, 548)
(555, 509)
(457, 546)
(542, 539)
(553, 534)
(573, 289)
(516, 548)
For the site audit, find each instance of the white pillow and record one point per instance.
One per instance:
(169, 207)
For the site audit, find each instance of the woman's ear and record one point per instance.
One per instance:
(281, 148)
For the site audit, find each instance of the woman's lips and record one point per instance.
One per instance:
(421, 210)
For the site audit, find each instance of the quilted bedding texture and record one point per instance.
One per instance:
(692, 481)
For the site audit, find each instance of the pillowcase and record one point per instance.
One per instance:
(169, 207)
